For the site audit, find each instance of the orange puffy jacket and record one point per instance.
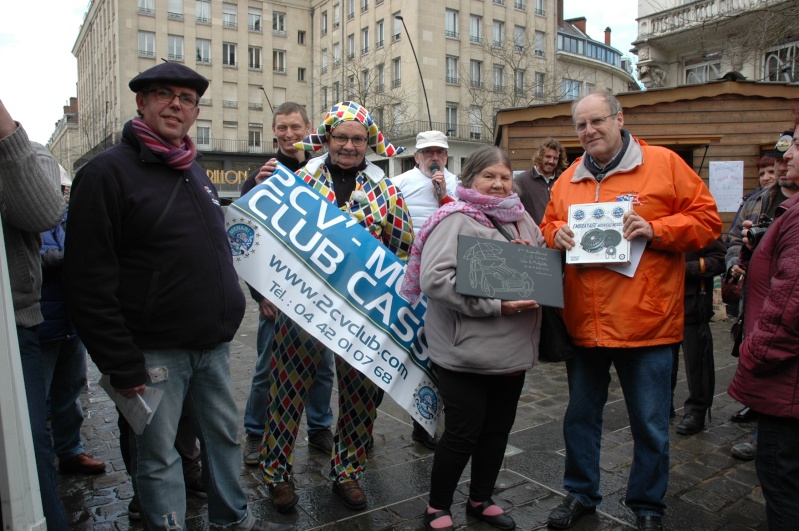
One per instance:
(606, 309)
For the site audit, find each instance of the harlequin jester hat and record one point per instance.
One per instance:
(347, 111)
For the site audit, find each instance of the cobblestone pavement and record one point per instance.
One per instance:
(708, 489)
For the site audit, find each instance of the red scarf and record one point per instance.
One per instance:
(179, 157)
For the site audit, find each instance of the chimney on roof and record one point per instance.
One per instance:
(579, 23)
(607, 36)
(560, 14)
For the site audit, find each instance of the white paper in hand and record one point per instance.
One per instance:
(138, 411)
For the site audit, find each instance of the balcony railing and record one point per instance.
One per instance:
(175, 56)
(475, 39)
(396, 83)
(697, 13)
(451, 34)
(540, 12)
(254, 27)
(229, 24)
(255, 106)
(521, 6)
(147, 11)
(203, 20)
(279, 33)
(451, 80)
(379, 44)
(146, 53)
(174, 16)
(231, 104)
(411, 128)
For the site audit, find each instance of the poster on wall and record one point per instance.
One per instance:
(727, 184)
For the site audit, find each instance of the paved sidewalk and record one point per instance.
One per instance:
(708, 489)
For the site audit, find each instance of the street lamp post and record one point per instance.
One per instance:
(424, 90)
(267, 97)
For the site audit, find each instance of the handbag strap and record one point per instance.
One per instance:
(502, 230)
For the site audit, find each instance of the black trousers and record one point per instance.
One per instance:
(479, 411)
(697, 347)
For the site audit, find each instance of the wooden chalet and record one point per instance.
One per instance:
(718, 121)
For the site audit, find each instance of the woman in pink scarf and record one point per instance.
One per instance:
(480, 347)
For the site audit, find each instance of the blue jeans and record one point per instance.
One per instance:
(644, 375)
(33, 374)
(318, 413)
(777, 463)
(201, 379)
(67, 359)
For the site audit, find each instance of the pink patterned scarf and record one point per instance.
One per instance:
(473, 204)
(179, 157)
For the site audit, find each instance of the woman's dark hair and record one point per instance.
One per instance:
(481, 159)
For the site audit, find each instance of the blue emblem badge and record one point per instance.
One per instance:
(617, 212)
(598, 213)
(579, 214)
(241, 238)
(426, 402)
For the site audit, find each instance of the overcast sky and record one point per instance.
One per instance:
(40, 72)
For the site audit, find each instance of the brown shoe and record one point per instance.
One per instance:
(283, 496)
(351, 494)
(81, 464)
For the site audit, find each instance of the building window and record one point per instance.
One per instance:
(364, 81)
(475, 29)
(174, 9)
(203, 51)
(397, 68)
(397, 32)
(703, 69)
(476, 73)
(229, 16)
(364, 41)
(397, 112)
(203, 135)
(202, 9)
(350, 47)
(539, 8)
(324, 98)
(350, 9)
(519, 38)
(499, 33)
(279, 61)
(451, 117)
(520, 5)
(364, 6)
(301, 38)
(336, 92)
(540, 43)
(539, 84)
(229, 54)
(147, 7)
(336, 55)
(279, 24)
(782, 63)
(518, 81)
(254, 140)
(499, 74)
(451, 24)
(146, 44)
(452, 70)
(323, 23)
(475, 122)
(254, 58)
(254, 19)
(324, 61)
(351, 87)
(336, 16)
(381, 34)
(175, 47)
(381, 78)
(571, 89)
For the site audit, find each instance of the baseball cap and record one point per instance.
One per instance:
(172, 74)
(427, 139)
(782, 145)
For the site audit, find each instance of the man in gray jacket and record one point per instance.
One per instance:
(30, 202)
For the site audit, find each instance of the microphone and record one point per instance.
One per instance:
(434, 167)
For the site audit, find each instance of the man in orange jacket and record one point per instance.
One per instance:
(630, 322)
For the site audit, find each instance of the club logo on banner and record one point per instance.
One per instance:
(338, 282)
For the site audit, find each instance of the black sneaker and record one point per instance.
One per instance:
(322, 440)
(197, 488)
(252, 449)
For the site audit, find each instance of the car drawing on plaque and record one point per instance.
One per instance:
(488, 270)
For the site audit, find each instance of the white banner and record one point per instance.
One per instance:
(339, 283)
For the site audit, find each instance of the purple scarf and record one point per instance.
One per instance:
(473, 204)
(178, 157)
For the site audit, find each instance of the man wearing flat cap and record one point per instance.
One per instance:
(152, 290)
(428, 184)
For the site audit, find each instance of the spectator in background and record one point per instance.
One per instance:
(535, 184)
(30, 202)
(290, 124)
(697, 343)
(767, 377)
(64, 361)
